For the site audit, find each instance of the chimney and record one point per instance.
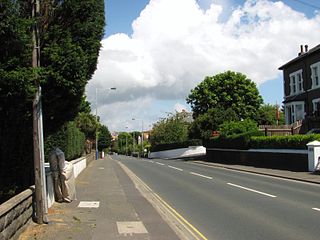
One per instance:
(306, 48)
(301, 50)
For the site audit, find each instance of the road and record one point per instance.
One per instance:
(224, 204)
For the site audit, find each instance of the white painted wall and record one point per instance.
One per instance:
(179, 153)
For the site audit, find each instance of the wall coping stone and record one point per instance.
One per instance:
(15, 201)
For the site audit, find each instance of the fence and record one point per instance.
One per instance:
(284, 130)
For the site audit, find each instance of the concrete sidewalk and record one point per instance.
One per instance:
(311, 177)
(112, 208)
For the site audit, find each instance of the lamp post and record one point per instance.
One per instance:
(133, 119)
(127, 142)
(97, 152)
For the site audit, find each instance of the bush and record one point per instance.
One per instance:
(69, 139)
(284, 142)
(170, 146)
(238, 127)
(235, 141)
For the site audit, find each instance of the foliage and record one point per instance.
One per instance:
(226, 90)
(70, 47)
(104, 140)
(169, 146)
(267, 115)
(16, 94)
(87, 123)
(70, 41)
(69, 139)
(235, 141)
(284, 142)
(124, 144)
(205, 123)
(237, 127)
(172, 129)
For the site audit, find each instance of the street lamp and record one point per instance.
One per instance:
(97, 152)
(133, 119)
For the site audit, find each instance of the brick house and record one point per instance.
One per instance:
(302, 88)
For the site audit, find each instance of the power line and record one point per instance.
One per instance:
(307, 4)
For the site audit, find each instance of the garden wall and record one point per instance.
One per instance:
(291, 160)
(15, 214)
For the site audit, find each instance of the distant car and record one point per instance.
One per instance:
(314, 131)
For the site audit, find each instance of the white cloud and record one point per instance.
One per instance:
(175, 44)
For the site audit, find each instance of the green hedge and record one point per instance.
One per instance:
(284, 142)
(69, 139)
(170, 146)
(235, 141)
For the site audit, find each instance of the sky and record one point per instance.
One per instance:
(155, 51)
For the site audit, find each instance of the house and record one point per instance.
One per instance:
(302, 88)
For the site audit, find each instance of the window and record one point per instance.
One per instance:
(296, 82)
(315, 73)
(316, 104)
(294, 111)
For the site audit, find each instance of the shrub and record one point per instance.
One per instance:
(170, 146)
(284, 142)
(69, 139)
(235, 141)
(238, 127)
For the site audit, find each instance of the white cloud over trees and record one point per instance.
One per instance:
(175, 44)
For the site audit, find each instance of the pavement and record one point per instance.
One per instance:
(111, 205)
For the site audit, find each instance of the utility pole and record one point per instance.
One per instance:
(39, 173)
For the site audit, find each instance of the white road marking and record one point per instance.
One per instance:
(88, 204)
(200, 175)
(252, 190)
(317, 209)
(179, 169)
(160, 163)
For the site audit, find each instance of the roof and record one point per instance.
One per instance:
(303, 55)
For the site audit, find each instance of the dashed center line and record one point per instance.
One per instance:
(252, 190)
(179, 169)
(160, 163)
(317, 209)
(200, 175)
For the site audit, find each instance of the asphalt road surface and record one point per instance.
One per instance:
(224, 204)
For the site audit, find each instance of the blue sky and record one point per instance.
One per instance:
(149, 87)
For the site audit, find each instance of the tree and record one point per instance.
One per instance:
(172, 129)
(238, 127)
(267, 115)
(87, 123)
(70, 41)
(226, 90)
(104, 138)
(203, 126)
(70, 48)
(125, 143)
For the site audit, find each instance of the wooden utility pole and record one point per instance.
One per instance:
(40, 187)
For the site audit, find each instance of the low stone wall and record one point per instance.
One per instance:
(179, 153)
(274, 159)
(15, 214)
